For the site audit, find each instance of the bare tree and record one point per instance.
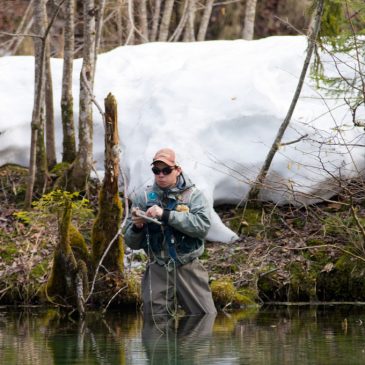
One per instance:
(205, 20)
(119, 17)
(181, 25)
(155, 20)
(37, 160)
(84, 160)
(99, 25)
(68, 126)
(249, 20)
(165, 21)
(312, 36)
(143, 19)
(50, 127)
(189, 34)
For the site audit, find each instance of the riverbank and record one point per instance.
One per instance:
(284, 253)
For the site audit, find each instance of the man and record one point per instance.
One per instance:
(169, 221)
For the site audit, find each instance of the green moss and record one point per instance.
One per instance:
(132, 294)
(315, 242)
(298, 223)
(7, 252)
(342, 225)
(39, 270)
(254, 222)
(60, 168)
(302, 282)
(346, 281)
(64, 263)
(104, 230)
(205, 255)
(69, 144)
(139, 256)
(78, 245)
(335, 225)
(248, 222)
(225, 294)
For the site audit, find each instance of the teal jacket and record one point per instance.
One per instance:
(185, 223)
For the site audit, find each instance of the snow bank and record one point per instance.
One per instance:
(218, 104)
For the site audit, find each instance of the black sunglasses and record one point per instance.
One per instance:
(165, 170)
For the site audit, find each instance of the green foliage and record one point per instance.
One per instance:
(53, 204)
(23, 216)
(342, 30)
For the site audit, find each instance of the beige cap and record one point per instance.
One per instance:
(166, 155)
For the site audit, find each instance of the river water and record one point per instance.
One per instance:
(277, 335)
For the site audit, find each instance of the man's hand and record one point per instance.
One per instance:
(155, 212)
(137, 220)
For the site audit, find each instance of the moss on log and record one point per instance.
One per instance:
(107, 223)
(68, 281)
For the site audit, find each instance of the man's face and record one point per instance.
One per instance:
(169, 180)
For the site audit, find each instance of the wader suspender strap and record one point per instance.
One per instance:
(169, 237)
(167, 230)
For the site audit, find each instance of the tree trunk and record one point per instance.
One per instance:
(37, 162)
(108, 220)
(120, 24)
(249, 21)
(84, 160)
(99, 26)
(189, 34)
(41, 175)
(99, 29)
(312, 36)
(205, 20)
(166, 19)
(143, 20)
(181, 26)
(68, 279)
(50, 129)
(155, 20)
(68, 126)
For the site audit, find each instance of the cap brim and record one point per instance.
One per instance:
(167, 162)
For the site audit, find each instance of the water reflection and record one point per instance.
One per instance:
(172, 341)
(274, 335)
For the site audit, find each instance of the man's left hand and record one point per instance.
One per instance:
(155, 212)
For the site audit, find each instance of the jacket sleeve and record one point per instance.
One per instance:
(133, 237)
(196, 222)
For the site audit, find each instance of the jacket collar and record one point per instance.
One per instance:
(183, 183)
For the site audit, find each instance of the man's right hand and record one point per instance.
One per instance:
(137, 220)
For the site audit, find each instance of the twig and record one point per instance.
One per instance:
(292, 142)
(112, 298)
(88, 88)
(324, 246)
(358, 223)
(22, 35)
(133, 27)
